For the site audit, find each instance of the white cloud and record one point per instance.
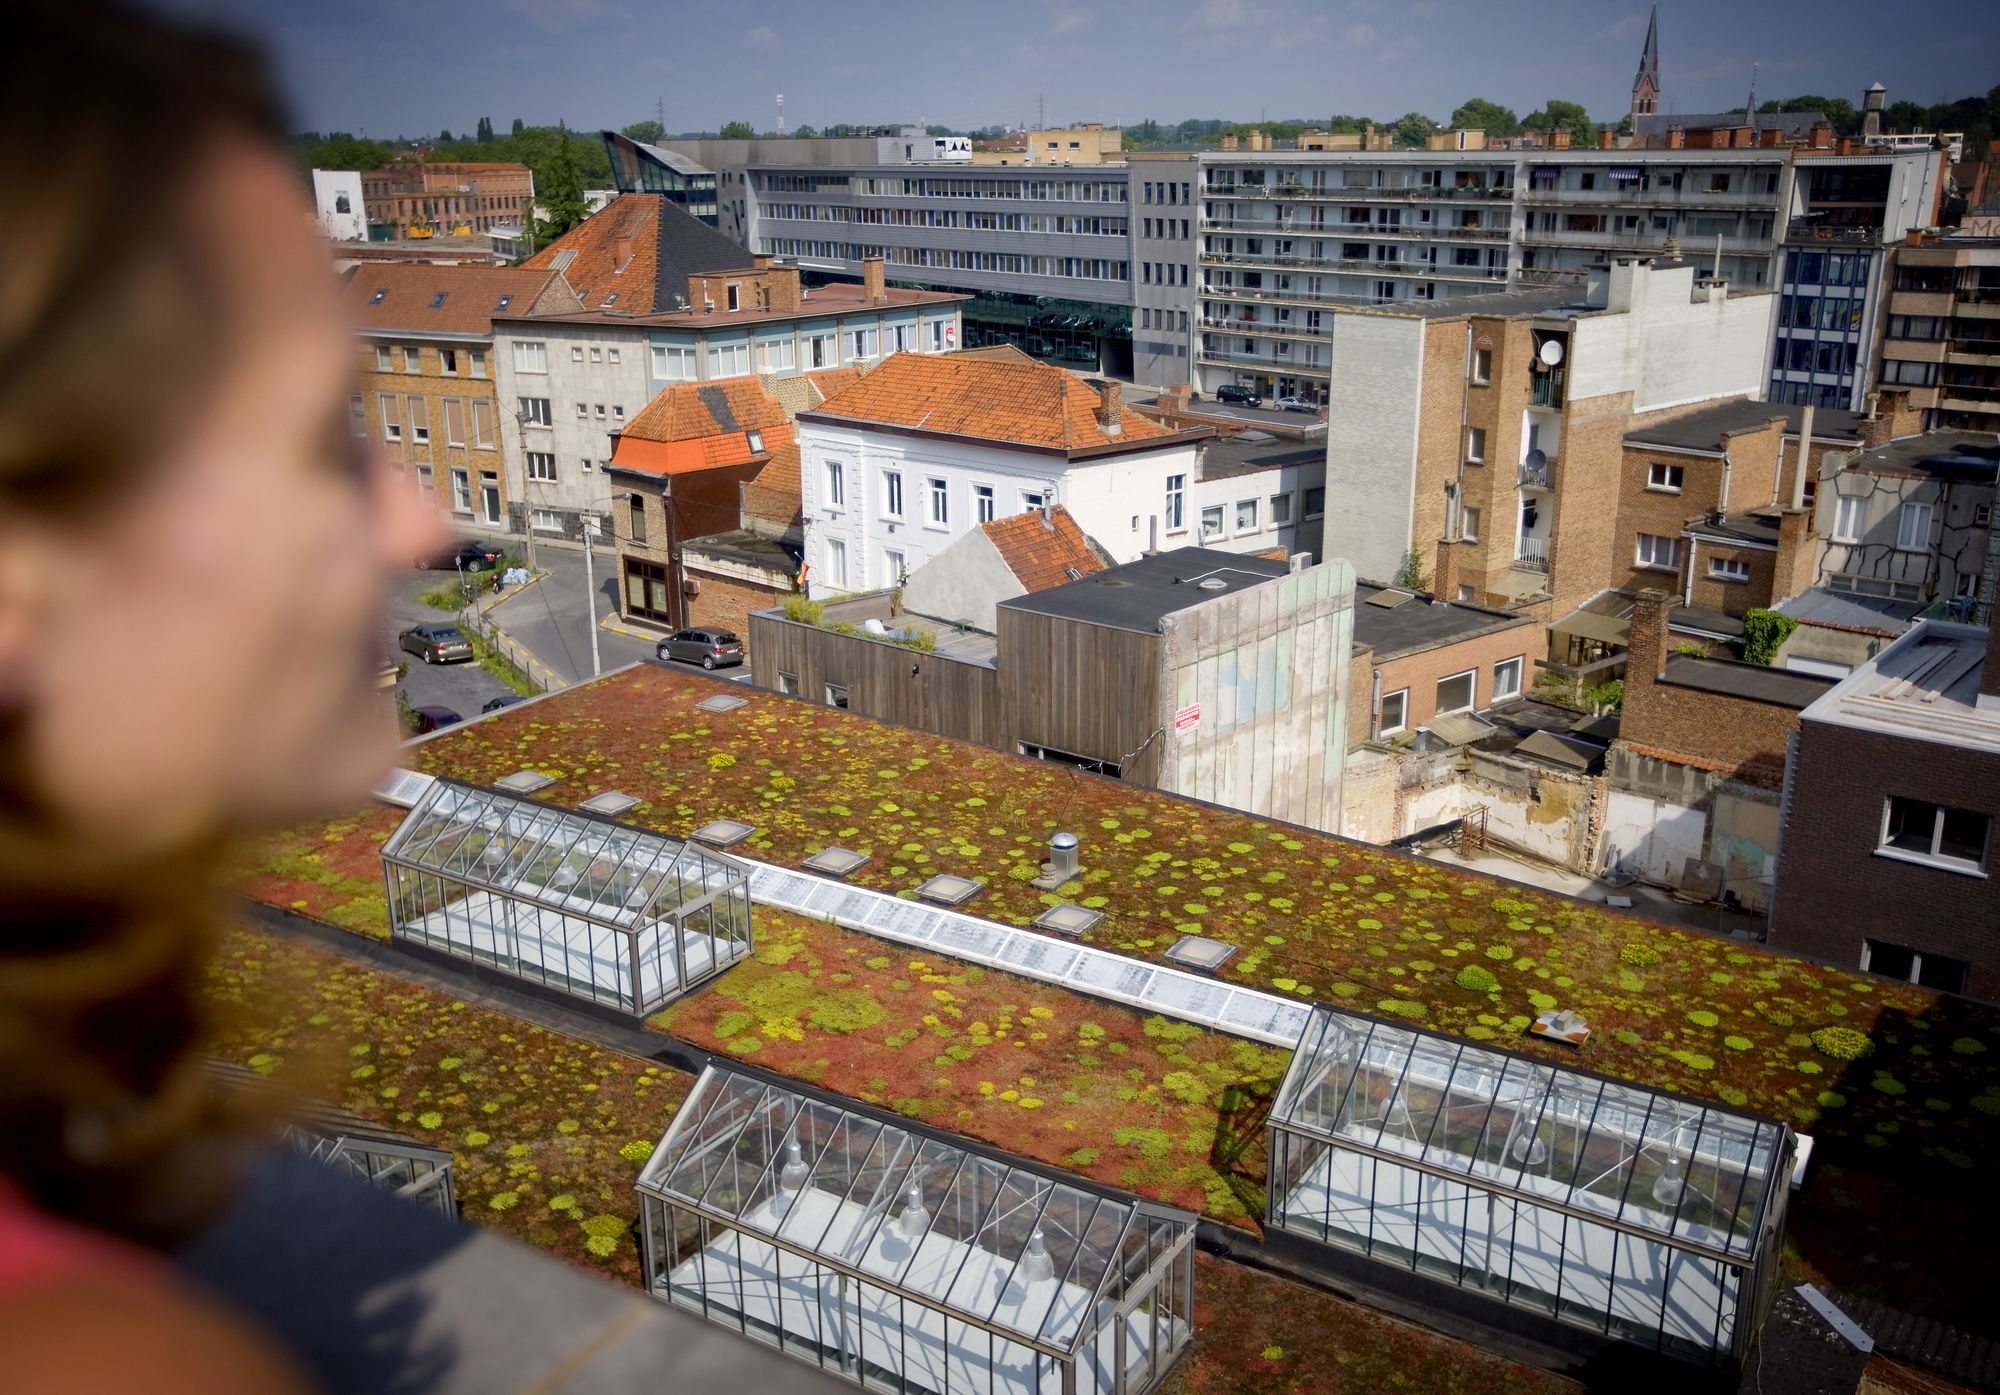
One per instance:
(763, 36)
(1066, 19)
(1222, 23)
(1360, 34)
(1630, 27)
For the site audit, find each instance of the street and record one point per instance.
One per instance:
(463, 687)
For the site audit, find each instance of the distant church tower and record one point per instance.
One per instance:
(1646, 86)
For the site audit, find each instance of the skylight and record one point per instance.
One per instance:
(437, 301)
(756, 440)
(505, 301)
(610, 300)
(379, 296)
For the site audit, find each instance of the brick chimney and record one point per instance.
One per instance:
(1677, 138)
(1771, 137)
(1822, 135)
(1109, 419)
(1797, 564)
(1444, 585)
(1559, 140)
(873, 284)
(762, 261)
(1605, 138)
(621, 250)
(1646, 642)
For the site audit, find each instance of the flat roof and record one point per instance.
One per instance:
(1707, 428)
(1783, 686)
(838, 298)
(1924, 687)
(1527, 301)
(1138, 595)
(1955, 455)
(1756, 529)
(1846, 610)
(1422, 622)
(1248, 452)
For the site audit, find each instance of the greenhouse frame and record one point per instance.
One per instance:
(575, 902)
(1643, 1216)
(903, 1259)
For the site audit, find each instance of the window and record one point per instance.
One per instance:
(836, 563)
(836, 485)
(482, 425)
(941, 502)
(1176, 503)
(1913, 528)
(1847, 520)
(1211, 522)
(729, 360)
(861, 343)
(475, 363)
(1395, 711)
(385, 359)
(822, 351)
(1475, 445)
(1281, 510)
(1657, 553)
(1316, 501)
(1954, 839)
(892, 567)
(1468, 524)
(1456, 693)
(357, 416)
(1728, 569)
(542, 466)
(611, 355)
(413, 359)
(600, 411)
(454, 422)
(1664, 477)
(735, 296)
(535, 411)
(583, 411)
(753, 438)
(1906, 965)
(779, 355)
(982, 503)
(674, 363)
(1246, 515)
(545, 520)
(836, 695)
(576, 353)
(420, 420)
(636, 519)
(461, 491)
(892, 493)
(1482, 367)
(392, 417)
(617, 413)
(788, 683)
(1033, 500)
(531, 357)
(1507, 679)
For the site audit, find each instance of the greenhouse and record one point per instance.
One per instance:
(1643, 1216)
(575, 902)
(905, 1260)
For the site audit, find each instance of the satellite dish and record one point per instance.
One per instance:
(1551, 352)
(1537, 458)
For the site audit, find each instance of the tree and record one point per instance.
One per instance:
(1411, 128)
(1346, 125)
(484, 131)
(1477, 113)
(805, 133)
(1563, 116)
(738, 130)
(1764, 634)
(646, 132)
(939, 131)
(559, 192)
(445, 138)
(517, 126)
(341, 151)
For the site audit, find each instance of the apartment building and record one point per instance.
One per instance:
(427, 392)
(662, 299)
(1910, 519)
(1892, 791)
(445, 196)
(1499, 421)
(1289, 235)
(1425, 656)
(1941, 338)
(1166, 230)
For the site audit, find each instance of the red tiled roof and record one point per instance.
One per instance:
(640, 248)
(1044, 553)
(701, 426)
(402, 296)
(1018, 403)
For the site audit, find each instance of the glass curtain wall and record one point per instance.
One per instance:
(590, 907)
(1643, 1216)
(902, 1260)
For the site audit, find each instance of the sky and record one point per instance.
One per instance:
(388, 67)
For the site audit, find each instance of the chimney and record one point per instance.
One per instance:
(621, 250)
(1797, 565)
(1677, 138)
(1646, 641)
(1445, 584)
(1771, 136)
(762, 261)
(1559, 139)
(1605, 137)
(1875, 426)
(1109, 420)
(1229, 142)
(743, 505)
(1822, 135)
(872, 283)
(1802, 458)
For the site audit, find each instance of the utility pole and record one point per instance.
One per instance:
(527, 508)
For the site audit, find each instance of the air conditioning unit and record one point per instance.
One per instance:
(1299, 561)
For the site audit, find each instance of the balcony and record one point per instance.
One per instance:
(1655, 197)
(1542, 476)
(1974, 351)
(1355, 232)
(1648, 243)
(1810, 230)
(1969, 397)
(1546, 389)
(1356, 193)
(1353, 266)
(1264, 328)
(1264, 363)
(1532, 554)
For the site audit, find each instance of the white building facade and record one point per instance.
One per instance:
(337, 199)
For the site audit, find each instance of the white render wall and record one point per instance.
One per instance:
(1670, 348)
(573, 440)
(1371, 441)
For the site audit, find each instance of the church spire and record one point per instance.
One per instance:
(1646, 86)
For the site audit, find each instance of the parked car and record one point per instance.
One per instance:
(424, 720)
(1297, 404)
(504, 700)
(711, 648)
(436, 644)
(1241, 396)
(467, 556)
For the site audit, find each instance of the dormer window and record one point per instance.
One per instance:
(756, 440)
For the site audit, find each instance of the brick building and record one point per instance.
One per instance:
(426, 374)
(1893, 788)
(1419, 656)
(442, 197)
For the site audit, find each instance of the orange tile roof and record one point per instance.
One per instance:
(1028, 404)
(1044, 553)
(640, 248)
(401, 296)
(702, 426)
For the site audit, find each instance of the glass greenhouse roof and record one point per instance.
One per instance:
(1010, 1249)
(1693, 1176)
(613, 874)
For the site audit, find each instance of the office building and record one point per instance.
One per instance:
(442, 198)
(1941, 339)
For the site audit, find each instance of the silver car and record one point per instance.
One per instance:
(436, 644)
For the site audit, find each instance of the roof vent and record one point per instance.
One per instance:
(1062, 865)
(1067, 919)
(1200, 952)
(950, 891)
(722, 702)
(524, 782)
(611, 803)
(836, 862)
(724, 833)
(1213, 583)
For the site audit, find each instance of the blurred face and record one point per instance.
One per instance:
(202, 650)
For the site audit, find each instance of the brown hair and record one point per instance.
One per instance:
(106, 118)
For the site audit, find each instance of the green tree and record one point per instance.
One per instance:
(647, 132)
(560, 192)
(939, 131)
(445, 137)
(341, 151)
(517, 127)
(485, 129)
(1411, 128)
(1563, 116)
(1764, 634)
(806, 133)
(738, 130)
(1476, 113)
(1341, 125)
